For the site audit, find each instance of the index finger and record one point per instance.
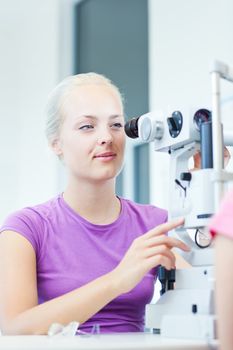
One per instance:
(164, 228)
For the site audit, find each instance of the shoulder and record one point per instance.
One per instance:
(146, 212)
(222, 221)
(30, 221)
(34, 213)
(144, 208)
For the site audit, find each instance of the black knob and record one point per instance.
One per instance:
(185, 176)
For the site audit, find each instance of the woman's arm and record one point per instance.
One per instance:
(224, 290)
(19, 311)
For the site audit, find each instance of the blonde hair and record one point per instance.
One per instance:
(55, 99)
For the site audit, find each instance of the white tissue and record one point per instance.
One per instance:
(69, 330)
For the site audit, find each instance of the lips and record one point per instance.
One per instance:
(105, 155)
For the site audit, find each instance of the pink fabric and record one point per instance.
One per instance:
(222, 222)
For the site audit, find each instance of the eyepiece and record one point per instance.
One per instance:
(131, 128)
(202, 116)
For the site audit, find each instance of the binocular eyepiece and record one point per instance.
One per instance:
(175, 123)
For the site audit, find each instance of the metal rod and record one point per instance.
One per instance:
(217, 136)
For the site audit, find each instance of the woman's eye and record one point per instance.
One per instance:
(86, 127)
(117, 125)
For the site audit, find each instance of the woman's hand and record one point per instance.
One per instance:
(148, 251)
(197, 159)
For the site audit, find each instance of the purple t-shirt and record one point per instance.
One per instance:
(70, 252)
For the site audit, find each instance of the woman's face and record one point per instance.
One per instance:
(92, 138)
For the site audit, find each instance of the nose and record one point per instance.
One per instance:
(105, 137)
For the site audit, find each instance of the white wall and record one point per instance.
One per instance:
(35, 53)
(185, 36)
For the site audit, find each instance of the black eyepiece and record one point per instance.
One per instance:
(202, 116)
(131, 128)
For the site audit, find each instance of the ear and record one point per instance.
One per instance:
(56, 147)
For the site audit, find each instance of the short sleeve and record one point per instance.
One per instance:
(27, 223)
(222, 222)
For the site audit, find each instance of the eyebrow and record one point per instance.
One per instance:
(95, 118)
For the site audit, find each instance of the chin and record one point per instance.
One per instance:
(108, 175)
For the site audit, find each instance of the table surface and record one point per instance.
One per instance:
(136, 341)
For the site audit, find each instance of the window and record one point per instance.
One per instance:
(111, 38)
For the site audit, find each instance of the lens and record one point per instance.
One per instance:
(201, 116)
(131, 128)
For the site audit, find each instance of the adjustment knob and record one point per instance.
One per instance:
(185, 176)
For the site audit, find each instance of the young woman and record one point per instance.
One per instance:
(85, 255)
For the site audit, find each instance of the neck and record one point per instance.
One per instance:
(97, 203)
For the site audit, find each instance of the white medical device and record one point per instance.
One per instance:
(187, 311)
